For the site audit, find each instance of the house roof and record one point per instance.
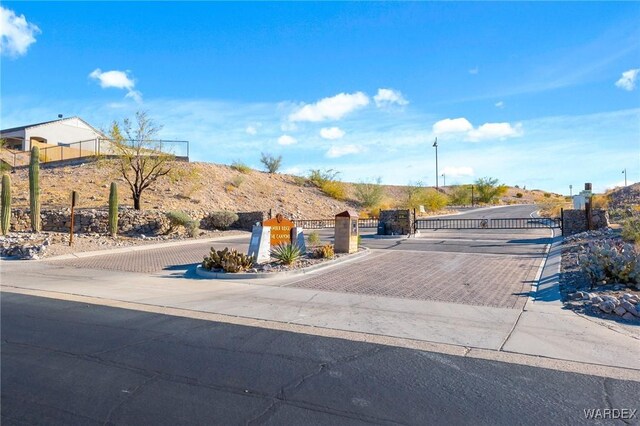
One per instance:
(29, 126)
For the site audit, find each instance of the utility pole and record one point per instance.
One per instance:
(435, 145)
(625, 176)
(570, 190)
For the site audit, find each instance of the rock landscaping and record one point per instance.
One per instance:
(590, 292)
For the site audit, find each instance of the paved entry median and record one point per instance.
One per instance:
(484, 269)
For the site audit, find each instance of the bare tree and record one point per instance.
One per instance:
(140, 159)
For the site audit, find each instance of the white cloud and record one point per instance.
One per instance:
(118, 80)
(499, 104)
(486, 131)
(495, 131)
(333, 108)
(341, 150)
(386, 97)
(295, 170)
(251, 130)
(628, 79)
(16, 34)
(286, 140)
(457, 171)
(474, 71)
(455, 125)
(331, 133)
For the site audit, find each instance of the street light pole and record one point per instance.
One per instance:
(625, 176)
(570, 190)
(435, 145)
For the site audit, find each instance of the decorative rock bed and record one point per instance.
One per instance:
(614, 301)
(274, 268)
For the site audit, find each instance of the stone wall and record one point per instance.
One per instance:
(395, 222)
(147, 222)
(575, 221)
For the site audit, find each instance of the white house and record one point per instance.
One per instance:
(61, 132)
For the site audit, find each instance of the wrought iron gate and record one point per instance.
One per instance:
(497, 223)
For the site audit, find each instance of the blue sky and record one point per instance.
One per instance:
(538, 94)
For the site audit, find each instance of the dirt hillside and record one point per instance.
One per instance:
(206, 187)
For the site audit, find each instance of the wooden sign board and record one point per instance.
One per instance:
(280, 229)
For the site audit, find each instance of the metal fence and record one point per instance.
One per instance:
(91, 148)
(500, 223)
(331, 223)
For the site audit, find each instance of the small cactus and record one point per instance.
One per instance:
(6, 204)
(227, 260)
(34, 189)
(113, 209)
(611, 261)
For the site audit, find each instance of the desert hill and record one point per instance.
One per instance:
(205, 187)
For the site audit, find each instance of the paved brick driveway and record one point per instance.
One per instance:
(474, 279)
(152, 260)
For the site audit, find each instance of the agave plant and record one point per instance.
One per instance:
(286, 253)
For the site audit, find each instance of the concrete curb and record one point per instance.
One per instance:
(130, 249)
(200, 271)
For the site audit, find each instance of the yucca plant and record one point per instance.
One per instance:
(286, 253)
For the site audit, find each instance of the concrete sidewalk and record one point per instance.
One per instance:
(543, 329)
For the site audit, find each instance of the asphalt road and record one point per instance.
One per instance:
(72, 363)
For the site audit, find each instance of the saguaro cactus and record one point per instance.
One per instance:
(34, 189)
(6, 204)
(113, 209)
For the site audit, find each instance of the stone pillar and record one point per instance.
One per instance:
(297, 238)
(346, 232)
(395, 222)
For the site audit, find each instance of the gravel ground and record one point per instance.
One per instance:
(573, 280)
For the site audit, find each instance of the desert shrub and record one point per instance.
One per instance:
(314, 238)
(324, 252)
(219, 220)
(631, 230)
(611, 261)
(286, 253)
(320, 177)
(334, 189)
(553, 209)
(227, 260)
(240, 167)
(369, 194)
(547, 195)
(299, 180)
(460, 195)
(488, 190)
(236, 181)
(600, 201)
(519, 195)
(271, 163)
(179, 218)
(433, 200)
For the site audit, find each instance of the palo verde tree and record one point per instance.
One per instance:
(489, 190)
(140, 159)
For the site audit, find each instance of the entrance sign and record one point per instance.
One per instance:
(280, 230)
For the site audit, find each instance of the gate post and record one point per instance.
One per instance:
(562, 222)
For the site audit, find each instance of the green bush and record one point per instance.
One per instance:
(236, 181)
(334, 189)
(241, 167)
(180, 218)
(270, 162)
(314, 238)
(286, 253)
(320, 177)
(219, 220)
(488, 190)
(631, 230)
(519, 195)
(547, 195)
(324, 252)
(433, 200)
(460, 195)
(369, 195)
